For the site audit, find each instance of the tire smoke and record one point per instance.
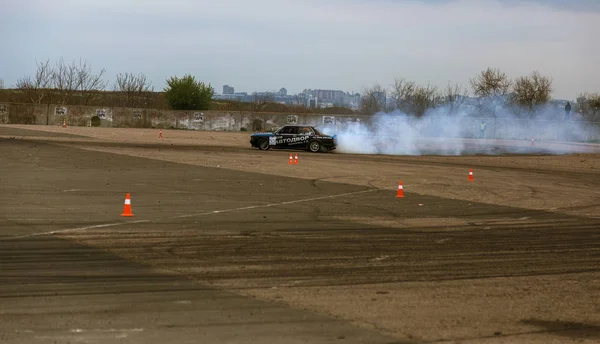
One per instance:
(443, 132)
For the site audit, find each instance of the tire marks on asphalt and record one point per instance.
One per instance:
(213, 212)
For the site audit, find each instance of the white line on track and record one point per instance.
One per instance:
(77, 229)
(273, 204)
(115, 224)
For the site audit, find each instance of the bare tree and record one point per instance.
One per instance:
(135, 89)
(532, 91)
(402, 95)
(492, 86)
(73, 79)
(88, 83)
(424, 98)
(414, 99)
(261, 100)
(373, 101)
(64, 80)
(490, 83)
(588, 105)
(453, 96)
(36, 88)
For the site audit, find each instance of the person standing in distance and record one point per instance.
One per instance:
(482, 129)
(567, 111)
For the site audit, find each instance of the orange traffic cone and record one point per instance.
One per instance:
(471, 178)
(400, 193)
(127, 207)
(291, 161)
(296, 162)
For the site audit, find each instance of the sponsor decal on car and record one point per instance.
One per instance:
(292, 140)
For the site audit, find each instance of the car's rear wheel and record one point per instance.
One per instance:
(314, 146)
(263, 144)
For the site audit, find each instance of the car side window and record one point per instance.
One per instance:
(305, 131)
(289, 130)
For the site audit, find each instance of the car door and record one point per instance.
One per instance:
(286, 137)
(304, 135)
(276, 141)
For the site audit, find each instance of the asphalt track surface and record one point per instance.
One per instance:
(55, 290)
(58, 290)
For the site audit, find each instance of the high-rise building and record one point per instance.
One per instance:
(329, 94)
(228, 90)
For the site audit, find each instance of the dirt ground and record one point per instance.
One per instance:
(512, 257)
(518, 181)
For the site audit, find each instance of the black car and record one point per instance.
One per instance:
(305, 137)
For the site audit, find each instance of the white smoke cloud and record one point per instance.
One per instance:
(442, 132)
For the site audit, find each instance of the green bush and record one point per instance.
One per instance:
(188, 94)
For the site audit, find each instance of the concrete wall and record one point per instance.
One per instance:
(23, 114)
(11, 113)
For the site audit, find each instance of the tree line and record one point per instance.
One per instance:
(76, 83)
(494, 94)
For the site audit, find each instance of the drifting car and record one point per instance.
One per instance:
(305, 137)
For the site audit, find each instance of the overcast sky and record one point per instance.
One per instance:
(260, 45)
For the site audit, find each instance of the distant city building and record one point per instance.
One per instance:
(309, 98)
(331, 98)
(322, 98)
(228, 90)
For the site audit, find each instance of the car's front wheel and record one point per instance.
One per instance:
(314, 146)
(263, 144)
